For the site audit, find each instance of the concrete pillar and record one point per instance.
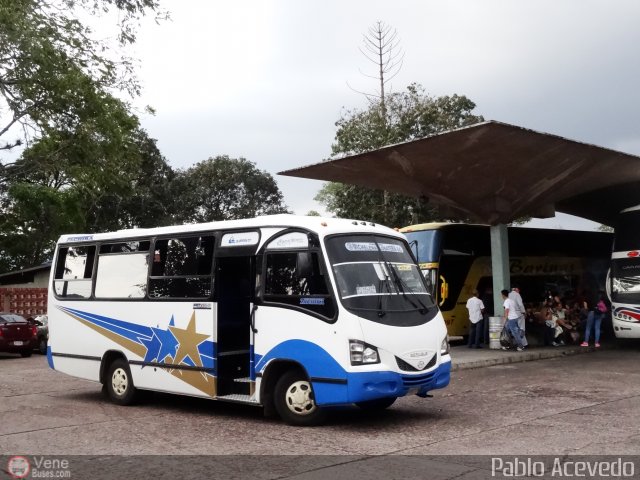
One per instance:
(499, 264)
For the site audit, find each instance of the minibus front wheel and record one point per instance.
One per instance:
(295, 402)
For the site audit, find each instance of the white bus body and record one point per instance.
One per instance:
(291, 313)
(623, 286)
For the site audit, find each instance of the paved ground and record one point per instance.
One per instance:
(573, 404)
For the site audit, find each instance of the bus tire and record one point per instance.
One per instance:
(119, 383)
(376, 405)
(294, 400)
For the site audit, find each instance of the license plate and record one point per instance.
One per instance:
(18, 342)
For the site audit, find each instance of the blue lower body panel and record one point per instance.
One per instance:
(333, 385)
(50, 357)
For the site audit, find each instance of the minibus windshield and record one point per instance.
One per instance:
(377, 278)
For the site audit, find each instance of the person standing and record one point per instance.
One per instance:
(594, 319)
(511, 320)
(476, 317)
(515, 297)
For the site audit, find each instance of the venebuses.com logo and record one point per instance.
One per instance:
(19, 466)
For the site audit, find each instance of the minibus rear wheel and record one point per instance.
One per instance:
(295, 402)
(119, 383)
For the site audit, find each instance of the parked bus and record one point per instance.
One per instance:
(294, 314)
(624, 285)
(455, 259)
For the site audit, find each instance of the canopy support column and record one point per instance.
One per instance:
(499, 264)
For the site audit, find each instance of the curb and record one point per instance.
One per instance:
(502, 358)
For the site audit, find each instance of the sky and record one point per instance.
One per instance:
(267, 79)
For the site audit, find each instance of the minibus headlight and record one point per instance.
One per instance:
(362, 353)
(444, 347)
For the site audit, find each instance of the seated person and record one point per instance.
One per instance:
(554, 333)
(572, 322)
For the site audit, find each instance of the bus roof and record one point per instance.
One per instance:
(458, 225)
(463, 237)
(322, 225)
(433, 226)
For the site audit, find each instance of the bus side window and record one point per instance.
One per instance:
(295, 278)
(282, 276)
(122, 270)
(74, 271)
(182, 267)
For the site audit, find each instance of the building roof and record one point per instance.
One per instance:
(493, 172)
(23, 276)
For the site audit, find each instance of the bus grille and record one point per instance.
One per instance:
(417, 380)
(402, 365)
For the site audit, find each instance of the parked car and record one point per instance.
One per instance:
(42, 337)
(17, 335)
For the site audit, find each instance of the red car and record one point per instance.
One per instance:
(17, 335)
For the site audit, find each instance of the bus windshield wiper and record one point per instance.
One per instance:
(381, 312)
(403, 287)
(383, 281)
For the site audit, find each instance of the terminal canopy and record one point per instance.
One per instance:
(494, 172)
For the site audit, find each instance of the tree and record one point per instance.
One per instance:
(223, 188)
(141, 196)
(381, 47)
(53, 74)
(70, 183)
(390, 118)
(86, 162)
(407, 115)
(33, 218)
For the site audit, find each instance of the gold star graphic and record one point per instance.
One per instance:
(189, 340)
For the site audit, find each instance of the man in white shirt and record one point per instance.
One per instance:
(511, 320)
(514, 295)
(476, 317)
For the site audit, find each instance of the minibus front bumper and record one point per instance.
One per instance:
(364, 386)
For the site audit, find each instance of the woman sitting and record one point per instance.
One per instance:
(554, 320)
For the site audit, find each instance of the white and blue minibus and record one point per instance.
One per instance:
(291, 313)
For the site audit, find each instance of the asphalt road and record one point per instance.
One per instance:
(577, 405)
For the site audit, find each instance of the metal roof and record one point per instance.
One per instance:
(493, 172)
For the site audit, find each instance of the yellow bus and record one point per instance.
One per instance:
(455, 259)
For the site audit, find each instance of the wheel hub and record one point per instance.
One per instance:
(119, 381)
(300, 398)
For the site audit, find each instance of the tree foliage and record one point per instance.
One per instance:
(406, 116)
(53, 73)
(59, 185)
(223, 188)
(410, 115)
(87, 163)
(33, 217)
